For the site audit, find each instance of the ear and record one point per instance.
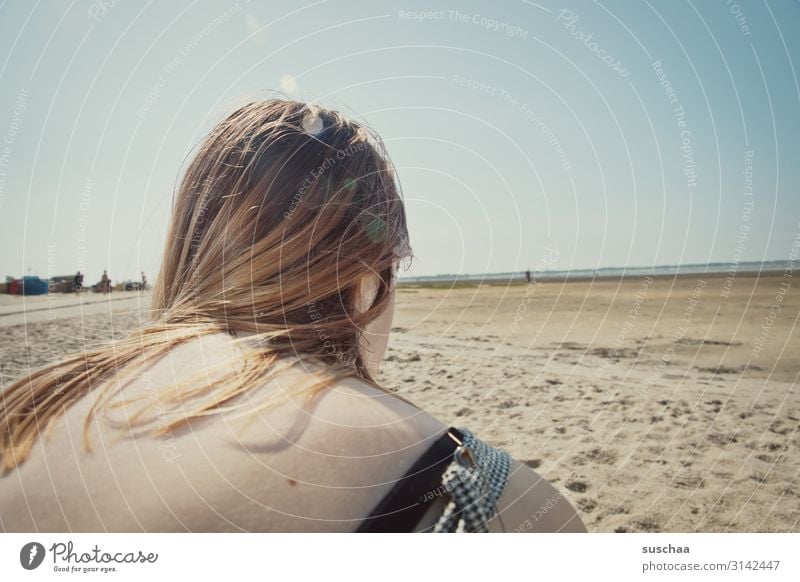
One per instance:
(367, 292)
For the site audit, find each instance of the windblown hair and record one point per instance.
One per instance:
(283, 213)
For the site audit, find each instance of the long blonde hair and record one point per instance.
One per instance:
(280, 217)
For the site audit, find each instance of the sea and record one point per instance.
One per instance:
(604, 272)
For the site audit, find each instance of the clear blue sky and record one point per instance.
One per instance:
(515, 126)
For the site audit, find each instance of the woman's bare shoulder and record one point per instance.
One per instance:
(351, 404)
(320, 463)
(351, 419)
(530, 504)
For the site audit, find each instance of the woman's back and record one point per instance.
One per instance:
(319, 466)
(296, 466)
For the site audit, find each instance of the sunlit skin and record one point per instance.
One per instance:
(326, 476)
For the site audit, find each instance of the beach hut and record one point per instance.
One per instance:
(13, 286)
(32, 285)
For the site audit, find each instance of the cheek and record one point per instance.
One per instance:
(383, 324)
(377, 334)
(380, 327)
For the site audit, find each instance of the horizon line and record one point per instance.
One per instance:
(730, 265)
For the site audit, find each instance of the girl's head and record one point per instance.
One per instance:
(288, 223)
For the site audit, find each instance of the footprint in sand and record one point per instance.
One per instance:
(602, 456)
(646, 523)
(721, 439)
(778, 428)
(576, 485)
(688, 480)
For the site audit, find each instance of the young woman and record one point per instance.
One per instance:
(248, 402)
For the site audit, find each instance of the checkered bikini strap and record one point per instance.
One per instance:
(475, 480)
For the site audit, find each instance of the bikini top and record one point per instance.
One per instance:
(459, 467)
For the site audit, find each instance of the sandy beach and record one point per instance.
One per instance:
(664, 404)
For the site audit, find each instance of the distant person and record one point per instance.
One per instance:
(78, 281)
(144, 282)
(249, 400)
(528, 276)
(105, 283)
